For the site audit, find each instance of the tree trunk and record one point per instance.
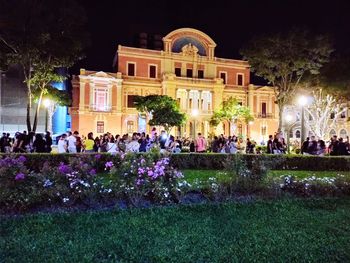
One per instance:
(280, 116)
(29, 125)
(36, 116)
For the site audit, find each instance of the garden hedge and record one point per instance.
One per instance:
(212, 161)
(274, 162)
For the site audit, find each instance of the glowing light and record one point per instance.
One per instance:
(302, 101)
(250, 122)
(195, 112)
(289, 118)
(46, 103)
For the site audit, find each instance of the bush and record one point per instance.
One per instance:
(77, 179)
(276, 162)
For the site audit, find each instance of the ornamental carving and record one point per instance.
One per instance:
(189, 50)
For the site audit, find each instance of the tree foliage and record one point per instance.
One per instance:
(40, 35)
(163, 109)
(284, 59)
(232, 111)
(322, 107)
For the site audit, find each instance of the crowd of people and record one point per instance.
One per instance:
(141, 142)
(26, 142)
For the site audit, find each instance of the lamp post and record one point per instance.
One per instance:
(194, 114)
(47, 104)
(302, 101)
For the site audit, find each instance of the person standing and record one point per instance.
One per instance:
(200, 144)
(39, 145)
(48, 142)
(72, 140)
(62, 144)
(270, 145)
(305, 147)
(89, 143)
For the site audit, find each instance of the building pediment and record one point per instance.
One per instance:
(102, 74)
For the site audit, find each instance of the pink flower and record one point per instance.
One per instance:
(20, 176)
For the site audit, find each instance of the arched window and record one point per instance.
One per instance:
(297, 134)
(332, 133)
(343, 133)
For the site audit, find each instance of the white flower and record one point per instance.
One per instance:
(65, 200)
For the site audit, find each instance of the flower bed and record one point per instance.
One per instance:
(144, 179)
(87, 179)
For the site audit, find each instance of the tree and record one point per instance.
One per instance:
(323, 106)
(283, 60)
(330, 91)
(232, 111)
(56, 98)
(162, 109)
(40, 36)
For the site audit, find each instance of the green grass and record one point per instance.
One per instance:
(204, 175)
(222, 176)
(278, 231)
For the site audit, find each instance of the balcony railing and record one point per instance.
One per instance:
(105, 108)
(262, 115)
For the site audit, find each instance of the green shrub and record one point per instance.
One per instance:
(275, 162)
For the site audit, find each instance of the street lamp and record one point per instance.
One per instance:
(47, 104)
(302, 101)
(194, 114)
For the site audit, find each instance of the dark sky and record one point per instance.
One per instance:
(229, 23)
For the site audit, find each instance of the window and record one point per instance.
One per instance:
(131, 101)
(178, 101)
(201, 74)
(297, 134)
(223, 76)
(291, 134)
(332, 133)
(100, 127)
(343, 133)
(189, 73)
(131, 69)
(332, 115)
(263, 109)
(240, 79)
(130, 127)
(310, 117)
(240, 129)
(100, 99)
(343, 114)
(263, 130)
(191, 103)
(178, 72)
(152, 71)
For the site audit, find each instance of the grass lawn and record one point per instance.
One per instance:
(278, 231)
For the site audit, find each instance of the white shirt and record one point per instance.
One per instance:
(111, 147)
(133, 146)
(61, 146)
(71, 141)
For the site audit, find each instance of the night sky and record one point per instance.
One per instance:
(229, 23)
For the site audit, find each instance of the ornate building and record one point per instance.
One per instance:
(187, 70)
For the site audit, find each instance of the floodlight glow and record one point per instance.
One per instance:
(46, 103)
(302, 101)
(195, 112)
(289, 118)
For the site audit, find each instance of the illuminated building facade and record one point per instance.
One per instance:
(188, 71)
